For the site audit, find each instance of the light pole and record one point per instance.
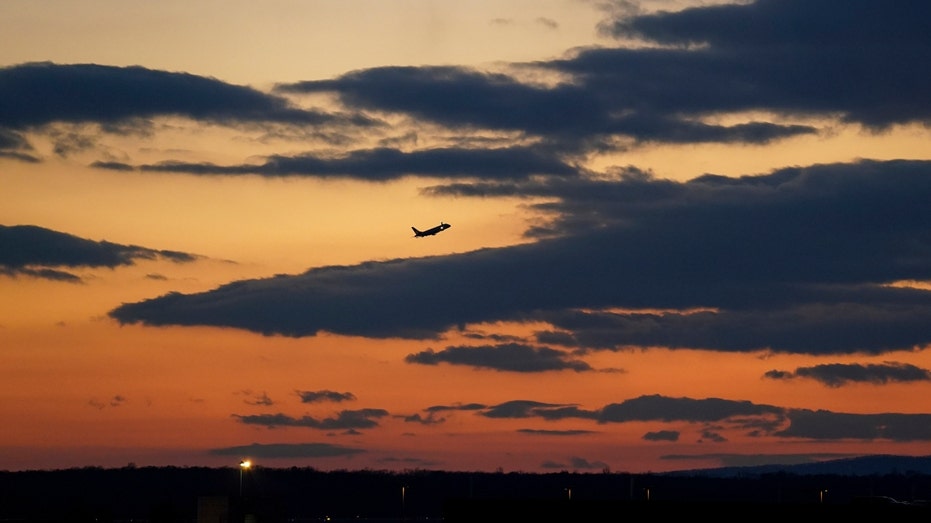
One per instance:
(243, 465)
(821, 495)
(403, 492)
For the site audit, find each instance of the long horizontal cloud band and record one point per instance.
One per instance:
(716, 418)
(771, 260)
(751, 418)
(41, 93)
(385, 164)
(30, 250)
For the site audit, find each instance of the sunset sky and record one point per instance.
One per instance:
(684, 234)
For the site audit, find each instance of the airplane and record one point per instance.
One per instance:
(430, 232)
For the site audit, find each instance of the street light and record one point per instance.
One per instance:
(243, 465)
(821, 495)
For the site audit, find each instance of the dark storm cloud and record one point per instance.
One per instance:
(287, 450)
(36, 94)
(505, 163)
(792, 261)
(345, 419)
(315, 396)
(838, 374)
(28, 250)
(512, 357)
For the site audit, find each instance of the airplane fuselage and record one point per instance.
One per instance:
(430, 232)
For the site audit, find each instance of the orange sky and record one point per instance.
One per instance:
(421, 353)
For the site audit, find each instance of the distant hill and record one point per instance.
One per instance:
(881, 464)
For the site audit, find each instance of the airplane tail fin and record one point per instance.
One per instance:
(416, 232)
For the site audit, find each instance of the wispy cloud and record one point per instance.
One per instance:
(345, 419)
(509, 357)
(316, 396)
(839, 374)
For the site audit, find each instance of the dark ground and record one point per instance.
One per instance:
(490, 511)
(170, 494)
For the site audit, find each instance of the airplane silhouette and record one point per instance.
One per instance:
(430, 232)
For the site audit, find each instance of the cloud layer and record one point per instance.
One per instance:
(827, 259)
